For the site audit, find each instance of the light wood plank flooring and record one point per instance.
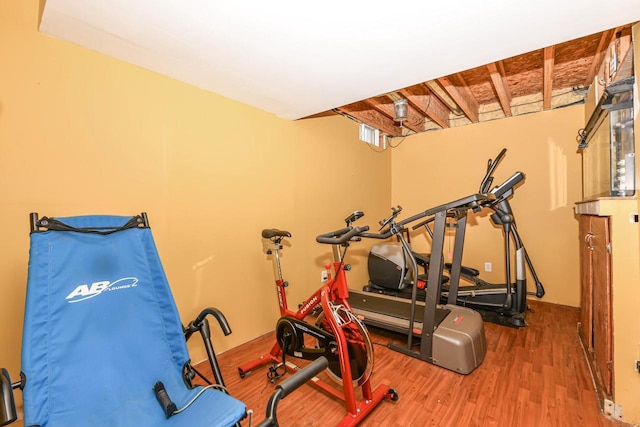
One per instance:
(534, 376)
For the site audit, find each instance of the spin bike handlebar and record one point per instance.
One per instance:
(380, 236)
(339, 237)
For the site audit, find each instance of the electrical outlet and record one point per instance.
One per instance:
(324, 276)
(487, 267)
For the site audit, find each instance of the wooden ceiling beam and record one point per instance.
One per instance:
(422, 99)
(496, 71)
(365, 114)
(385, 110)
(450, 101)
(436, 89)
(605, 40)
(455, 86)
(547, 79)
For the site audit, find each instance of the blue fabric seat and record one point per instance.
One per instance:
(101, 328)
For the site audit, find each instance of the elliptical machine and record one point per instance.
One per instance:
(502, 303)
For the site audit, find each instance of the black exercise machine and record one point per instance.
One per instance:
(449, 336)
(497, 303)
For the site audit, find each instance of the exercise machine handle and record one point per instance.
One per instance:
(341, 236)
(508, 185)
(394, 213)
(217, 314)
(302, 376)
(197, 325)
(289, 385)
(379, 236)
(485, 185)
(416, 217)
(332, 234)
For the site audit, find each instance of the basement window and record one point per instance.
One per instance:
(370, 135)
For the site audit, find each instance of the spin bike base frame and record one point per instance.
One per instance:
(335, 291)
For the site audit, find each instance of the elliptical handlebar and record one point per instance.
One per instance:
(390, 223)
(394, 213)
(505, 187)
(426, 222)
(485, 185)
(396, 227)
(339, 237)
(457, 207)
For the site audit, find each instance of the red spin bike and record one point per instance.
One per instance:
(336, 333)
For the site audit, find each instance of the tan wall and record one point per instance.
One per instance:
(82, 133)
(434, 168)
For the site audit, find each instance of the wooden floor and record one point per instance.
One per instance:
(534, 376)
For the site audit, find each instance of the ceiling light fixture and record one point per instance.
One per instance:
(400, 106)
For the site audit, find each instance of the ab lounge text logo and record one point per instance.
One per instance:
(84, 292)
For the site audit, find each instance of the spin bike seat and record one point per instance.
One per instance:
(269, 233)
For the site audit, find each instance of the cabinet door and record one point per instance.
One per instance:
(586, 294)
(601, 282)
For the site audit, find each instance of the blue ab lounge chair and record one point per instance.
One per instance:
(103, 344)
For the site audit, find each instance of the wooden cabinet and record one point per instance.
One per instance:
(596, 331)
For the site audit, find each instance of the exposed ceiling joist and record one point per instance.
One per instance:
(378, 104)
(496, 70)
(445, 99)
(363, 112)
(458, 90)
(422, 99)
(605, 40)
(547, 79)
(543, 79)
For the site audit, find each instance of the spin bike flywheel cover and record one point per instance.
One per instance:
(359, 346)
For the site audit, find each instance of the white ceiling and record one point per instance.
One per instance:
(298, 58)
